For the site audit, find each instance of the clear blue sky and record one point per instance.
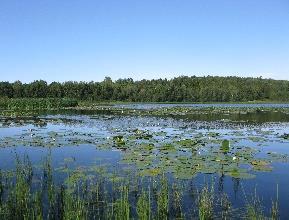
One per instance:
(60, 40)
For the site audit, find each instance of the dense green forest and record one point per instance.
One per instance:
(180, 89)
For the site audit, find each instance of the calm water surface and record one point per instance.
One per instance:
(90, 140)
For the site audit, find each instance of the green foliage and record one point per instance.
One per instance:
(4, 103)
(122, 205)
(17, 104)
(225, 146)
(225, 206)
(1, 187)
(254, 208)
(73, 206)
(144, 206)
(179, 89)
(94, 201)
(206, 203)
(163, 200)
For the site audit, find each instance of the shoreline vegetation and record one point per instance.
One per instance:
(83, 103)
(62, 103)
(36, 103)
(26, 98)
(35, 106)
(182, 89)
(39, 106)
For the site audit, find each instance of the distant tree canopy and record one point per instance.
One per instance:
(180, 89)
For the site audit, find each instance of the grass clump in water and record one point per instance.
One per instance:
(122, 205)
(104, 198)
(144, 206)
(275, 206)
(205, 203)
(254, 208)
(163, 200)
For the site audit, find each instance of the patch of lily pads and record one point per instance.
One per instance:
(151, 146)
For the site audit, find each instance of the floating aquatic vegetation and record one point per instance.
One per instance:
(225, 146)
(147, 148)
(285, 136)
(119, 140)
(167, 148)
(176, 147)
(150, 172)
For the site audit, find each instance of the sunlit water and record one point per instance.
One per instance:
(89, 140)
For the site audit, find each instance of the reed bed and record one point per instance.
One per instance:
(26, 193)
(17, 104)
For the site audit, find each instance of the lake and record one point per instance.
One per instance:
(143, 166)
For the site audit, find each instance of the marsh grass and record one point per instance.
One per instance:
(144, 206)
(225, 207)
(73, 207)
(122, 205)
(254, 208)
(206, 203)
(275, 210)
(275, 206)
(177, 202)
(1, 187)
(17, 104)
(108, 199)
(163, 199)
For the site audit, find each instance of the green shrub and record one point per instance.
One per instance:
(36, 103)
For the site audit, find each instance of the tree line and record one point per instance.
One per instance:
(179, 89)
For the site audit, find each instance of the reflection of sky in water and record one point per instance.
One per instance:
(89, 155)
